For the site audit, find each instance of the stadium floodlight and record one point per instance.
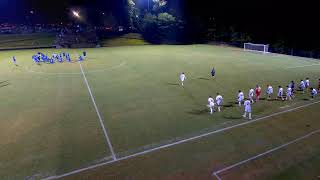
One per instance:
(264, 48)
(76, 14)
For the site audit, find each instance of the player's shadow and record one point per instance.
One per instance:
(4, 84)
(207, 79)
(232, 117)
(173, 84)
(227, 105)
(232, 103)
(198, 111)
(306, 99)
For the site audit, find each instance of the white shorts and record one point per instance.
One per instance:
(247, 109)
(219, 103)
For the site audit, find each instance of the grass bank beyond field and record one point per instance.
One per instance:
(49, 126)
(14, 41)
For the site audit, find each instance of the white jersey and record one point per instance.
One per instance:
(302, 85)
(240, 96)
(219, 100)
(280, 92)
(210, 102)
(307, 83)
(289, 91)
(247, 106)
(314, 92)
(251, 93)
(183, 77)
(269, 90)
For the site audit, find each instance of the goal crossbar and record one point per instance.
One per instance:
(264, 48)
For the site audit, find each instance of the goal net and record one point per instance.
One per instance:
(256, 47)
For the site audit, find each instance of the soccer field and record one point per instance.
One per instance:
(52, 115)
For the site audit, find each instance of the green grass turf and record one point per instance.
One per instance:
(131, 39)
(297, 161)
(49, 125)
(198, 159)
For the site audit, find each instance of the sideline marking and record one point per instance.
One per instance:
(98, 113)
(176, 143)
(216, 173)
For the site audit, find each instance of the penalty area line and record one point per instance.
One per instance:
(178, 142)
(99, 115)
(216, 173)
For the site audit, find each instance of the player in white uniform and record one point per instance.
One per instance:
(219, 100)
(251, 94)
(302, 86)
(280, 93)
(182, 78)
(313, 93)
(307, 83)
(269, 91)
(247, 108)
(240, 97)
(211, 104)
(289, 93)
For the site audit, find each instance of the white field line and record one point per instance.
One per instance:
(216, 173)
(98, 113)
(293, 67)
(176, 143)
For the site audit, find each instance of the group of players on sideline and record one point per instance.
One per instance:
(255, 94)
(61, 57)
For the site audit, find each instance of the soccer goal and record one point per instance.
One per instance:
(256, 47)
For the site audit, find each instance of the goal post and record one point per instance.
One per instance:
(264, 48)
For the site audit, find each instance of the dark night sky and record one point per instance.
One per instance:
(295, 21)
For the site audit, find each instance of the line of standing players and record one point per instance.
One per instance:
(254, 95)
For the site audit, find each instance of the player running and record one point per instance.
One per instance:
(258, 92)
(292, 85)
(211, 104)
(280, 93)
(269, 91)
(182, 78)
(302, 86)
(313, 93)
(14, 60)
(250, 95)
(307, 83)
(247, 109)
(240, 97)
(289, 93)
(219, 101)
(213, 72)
